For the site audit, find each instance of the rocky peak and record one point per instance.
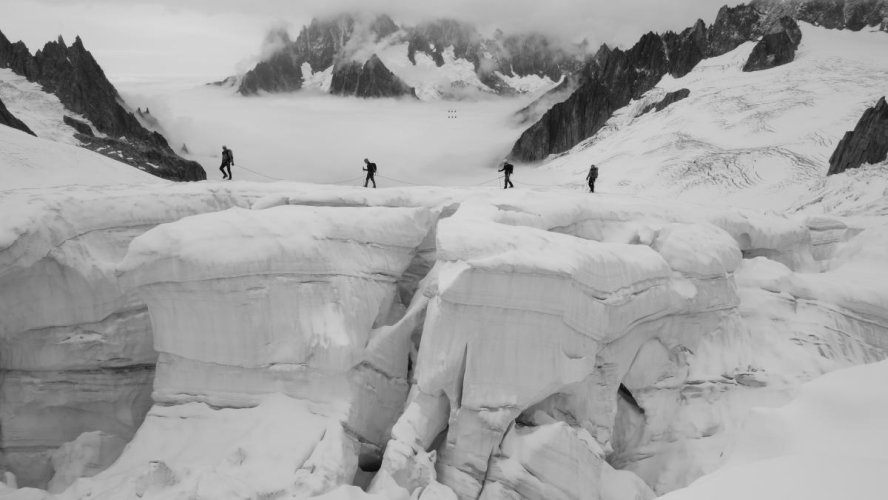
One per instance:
(17, 57)
(74, 76)
(434, 37)
(321, 44)
(732, 27)
(867, 143)
(383, 26)
(619, 76)
(775, 48)
(368, 79)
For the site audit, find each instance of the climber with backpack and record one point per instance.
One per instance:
(507, 170)
(227, 162)
(590, 178)
(370, 168)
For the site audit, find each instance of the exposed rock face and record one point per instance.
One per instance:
(8, 119)
(670, 98)
(776, 48)
(320, 44)
(434, 37)
(621, 76)
(833, 14)
(74, 76)
(344, 39)
(78, 125)
(867, 143)
(371, 79)
(17, 57)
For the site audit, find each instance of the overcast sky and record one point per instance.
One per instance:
(202, 40)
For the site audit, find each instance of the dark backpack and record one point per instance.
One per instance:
(593, 173)
(371, 168)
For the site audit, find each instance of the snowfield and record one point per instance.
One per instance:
(757, 140)
(714, 324)
(34, 162)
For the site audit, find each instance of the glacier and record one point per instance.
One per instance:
(291, 340)
(685, 333)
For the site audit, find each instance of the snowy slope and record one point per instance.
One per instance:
(42, 112)
(757, 139)
(33, 162)
(831, 442)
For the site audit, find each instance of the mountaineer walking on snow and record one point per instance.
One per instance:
(507, 172)
(227, 162)
(593, 174)
(370, 168)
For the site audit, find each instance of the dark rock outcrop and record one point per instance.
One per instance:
(511, 55)
(833, 14)
(621, 76)
(612, 81)
(370, 79)
(334, 42)
(670, 98)
(434, 37)
(867, 143)
(80, 126)
(732, 27)
(776, 48)
(74, 76)
(8, 119)
(17, 57)
(320, 44)
(145, 157)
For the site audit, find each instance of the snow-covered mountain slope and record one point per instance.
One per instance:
(60, 84)
(424, 341)
(42, 112)
(830, 442)
(34, 162)
(758, 139)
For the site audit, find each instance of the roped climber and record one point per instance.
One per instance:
(370, 168)
(507, 170)
(227, 162)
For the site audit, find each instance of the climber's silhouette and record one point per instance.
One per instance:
(227, 162)
(370, 168)
(507, 172)
(590, 178)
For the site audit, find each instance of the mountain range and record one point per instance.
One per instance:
(105, 124)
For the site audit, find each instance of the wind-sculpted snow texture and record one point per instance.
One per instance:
(419, 343)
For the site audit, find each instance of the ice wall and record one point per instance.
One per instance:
(291, 313)
(76, 350)
(466, 343)
(621, 341)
